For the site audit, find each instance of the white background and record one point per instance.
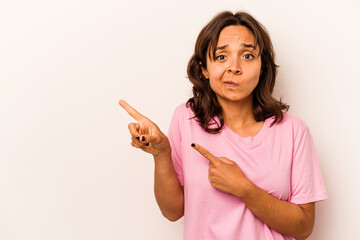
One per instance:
(67, 169)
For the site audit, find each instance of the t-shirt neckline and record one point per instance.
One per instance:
(250, 140)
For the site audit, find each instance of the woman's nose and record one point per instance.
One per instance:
(234, 66)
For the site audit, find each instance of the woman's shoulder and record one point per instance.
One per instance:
(291, 121)
(183, 109)
(290, 117)
(182, 116)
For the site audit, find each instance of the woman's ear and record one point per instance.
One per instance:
(204, 71)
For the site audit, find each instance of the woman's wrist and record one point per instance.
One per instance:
(163, 155)
(245, 188)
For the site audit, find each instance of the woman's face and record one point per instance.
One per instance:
(235, 71)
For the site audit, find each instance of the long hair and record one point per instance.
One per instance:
(204, 103)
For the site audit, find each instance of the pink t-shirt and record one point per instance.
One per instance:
(280, 159)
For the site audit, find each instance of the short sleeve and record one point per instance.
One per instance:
(174, 135)
(307, 184)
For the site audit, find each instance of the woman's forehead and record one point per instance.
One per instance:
(239, 34)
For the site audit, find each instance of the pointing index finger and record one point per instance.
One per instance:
(135, 114)
(205, 153)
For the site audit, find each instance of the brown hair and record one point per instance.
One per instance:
(204, 103)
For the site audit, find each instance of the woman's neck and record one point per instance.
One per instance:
(238, 115)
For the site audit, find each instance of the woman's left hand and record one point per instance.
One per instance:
(224, 174)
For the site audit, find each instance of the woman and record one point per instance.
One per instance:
(257, 175)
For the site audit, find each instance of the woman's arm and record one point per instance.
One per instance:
(284, 217)
(147, 136)
(169, 193)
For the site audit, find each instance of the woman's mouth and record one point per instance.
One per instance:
(230, 84)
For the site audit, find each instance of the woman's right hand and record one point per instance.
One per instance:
(145, 134)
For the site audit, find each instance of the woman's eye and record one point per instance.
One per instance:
(220, 57)
(248, 56)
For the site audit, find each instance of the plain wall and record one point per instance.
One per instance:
(67, 169)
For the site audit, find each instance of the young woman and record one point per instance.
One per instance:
(234, 163)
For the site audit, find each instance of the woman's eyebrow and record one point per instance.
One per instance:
(221, 47)
(246, 45)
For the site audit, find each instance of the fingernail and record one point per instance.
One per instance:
(147, 144)
(143, 138)
(138, 138)
(193, 145)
